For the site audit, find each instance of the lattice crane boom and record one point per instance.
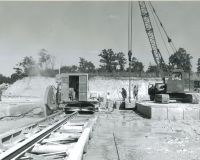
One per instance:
(150, 33)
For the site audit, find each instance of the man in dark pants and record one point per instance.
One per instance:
(124, 95)
(135, 92)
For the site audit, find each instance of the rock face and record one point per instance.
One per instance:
(29, 92)
(102, 85)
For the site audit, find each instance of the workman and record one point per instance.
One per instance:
(124, 94)
(135, 92)
(71, 94)
(107, 101)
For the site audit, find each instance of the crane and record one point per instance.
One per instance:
(176, 87)
(150, 33)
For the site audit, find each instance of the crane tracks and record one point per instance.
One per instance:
(54, 141)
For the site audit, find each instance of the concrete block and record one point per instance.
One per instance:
(117, 103)
(159, 113)
(130, 105)
(191, 113)
(162, 98)
(175, 113)
(144, 110)
(171, 111)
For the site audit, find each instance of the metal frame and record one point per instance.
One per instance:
(23, 147)
(15, 132)
(150, 33)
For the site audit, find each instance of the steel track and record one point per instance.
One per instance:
(18, 150)
(13, 133)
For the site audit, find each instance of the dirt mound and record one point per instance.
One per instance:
(30, 88)
(24, 96)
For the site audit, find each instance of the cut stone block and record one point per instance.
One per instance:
(191, 114)
(117, 104)
(162, 98)
(171, 111)
(130, 105)
(144, 110)
(159, 113)
(175, 113)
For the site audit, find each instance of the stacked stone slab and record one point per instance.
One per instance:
(170, 111)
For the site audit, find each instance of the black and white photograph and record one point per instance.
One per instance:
(99, 80)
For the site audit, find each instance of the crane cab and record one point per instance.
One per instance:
(178, 87)
(180, 82)
(176, 82)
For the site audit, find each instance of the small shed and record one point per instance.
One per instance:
(73, 83)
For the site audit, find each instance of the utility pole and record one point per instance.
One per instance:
(130, 44)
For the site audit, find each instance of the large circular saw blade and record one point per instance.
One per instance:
(50, 98)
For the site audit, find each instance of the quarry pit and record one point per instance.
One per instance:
(117, 134)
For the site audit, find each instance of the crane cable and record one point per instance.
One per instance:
(159, 31)
(130, 27)
(168, 38)
(166, 68)
(130, 43)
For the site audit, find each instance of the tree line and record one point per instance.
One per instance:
(109, 62)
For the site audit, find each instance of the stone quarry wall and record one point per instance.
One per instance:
(102, 85)
(27, 93)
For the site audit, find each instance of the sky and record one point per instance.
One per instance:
(69, 30)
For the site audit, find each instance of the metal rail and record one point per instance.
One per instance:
(18, 150)
(6, 136)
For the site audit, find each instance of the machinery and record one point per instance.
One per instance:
(72, 93)
(50, 104)
(178, 86)
(151, 37)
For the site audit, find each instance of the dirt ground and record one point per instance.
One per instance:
(137, 138)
